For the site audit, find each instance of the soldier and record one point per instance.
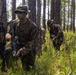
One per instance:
(39, 41)
(43, 35)
(8, 52)
(26, 32)
(56, 34)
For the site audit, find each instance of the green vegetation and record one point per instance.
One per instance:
(53, 62)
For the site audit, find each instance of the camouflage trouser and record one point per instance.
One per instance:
(56, 44)
(2, 56)
(8, 56)
(28, 60)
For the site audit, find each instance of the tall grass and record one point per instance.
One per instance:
(53, 62)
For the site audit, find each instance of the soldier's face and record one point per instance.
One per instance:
(21, 16)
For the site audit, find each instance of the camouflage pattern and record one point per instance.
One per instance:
(38, 44)
(57, 33)
(8, 55)
(39, 41)
(26, 34)
(22, 9)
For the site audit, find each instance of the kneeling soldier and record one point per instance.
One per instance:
(8, 51)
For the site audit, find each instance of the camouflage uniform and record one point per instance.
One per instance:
(57, 33)
(8, 55)
(26, 35)
(40, 40)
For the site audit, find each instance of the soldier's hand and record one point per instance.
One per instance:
(18, 52)
(52, 36)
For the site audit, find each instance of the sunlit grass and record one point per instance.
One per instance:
(53, 62)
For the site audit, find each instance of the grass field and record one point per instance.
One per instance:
(53, 62)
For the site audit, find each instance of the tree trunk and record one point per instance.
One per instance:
(71, 25)
(68, 14)
(38, 19)
(48, 9)
(64, 17)
(32, 7)
(44, 13)
(73, 2)
(56, 11)
(13, 9)
(23, 2)
(3, 16)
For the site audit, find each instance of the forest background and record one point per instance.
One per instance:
(63, 12)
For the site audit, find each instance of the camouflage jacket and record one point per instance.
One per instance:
(26, 33)
(56, 31)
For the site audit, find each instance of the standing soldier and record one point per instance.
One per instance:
(25, 33)
(56, 34)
